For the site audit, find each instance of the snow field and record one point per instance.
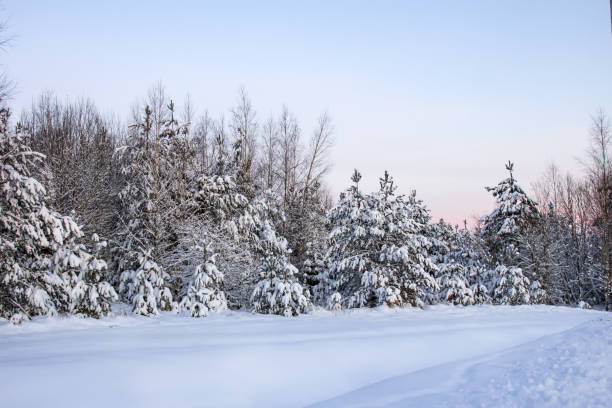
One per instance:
(357, 358)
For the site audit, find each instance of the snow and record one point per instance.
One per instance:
(440, 356)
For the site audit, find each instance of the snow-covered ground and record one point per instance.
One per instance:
(441, 356)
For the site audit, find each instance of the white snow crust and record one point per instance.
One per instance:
(442, 356)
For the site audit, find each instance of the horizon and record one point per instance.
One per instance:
(439, 95)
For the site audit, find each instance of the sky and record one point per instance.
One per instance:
(440, 93)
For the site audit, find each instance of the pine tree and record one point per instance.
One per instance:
(204, 293)
(452, 275)
(313, 266)
(150, 199)
(222, 214)
(378, 248)
(471, 253)
(335, 302)
(219, 197)
(277, 291)
(514, 214)
(44, 270)
(83, 276)
(454, 287)
(512, 287)
(146, 286)
(480, 291)
(507, 230)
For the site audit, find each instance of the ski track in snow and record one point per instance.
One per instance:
(440, 356)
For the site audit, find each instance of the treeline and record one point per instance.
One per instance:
(185, 214)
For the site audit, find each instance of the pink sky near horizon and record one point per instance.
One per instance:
(441, 94)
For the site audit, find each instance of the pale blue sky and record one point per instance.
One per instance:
(441, 93)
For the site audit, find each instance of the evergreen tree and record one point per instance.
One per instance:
(512, 287)
(378, 248)
(43, 268)
(472, 255)
(204, 293)
(216, 211)
(219, 198)
(312, 266)
(146, 286)
(277, 290)
(514, 214)
(83, 276)
(335, 302)
(346, 253)
(454, 287)
(452, 275)
(505, 230)
(150, 203)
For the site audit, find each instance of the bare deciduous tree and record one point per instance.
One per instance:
(269, 154)
(599, 175)
(244, 127)
(318, 162)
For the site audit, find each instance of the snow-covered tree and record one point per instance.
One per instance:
(313, 266)
(480, 291)
(454, 287)
(220, 214)
(378, 248)
(510, 232)
(512, 287)
(151, 200)
(204, 293)
(146, 286)
(334, 302)
(219, 197)
(277, 291)
(43, 268)
(514, 213)
(83, 275)
(471, 253)
(346, 256)
(453, 266)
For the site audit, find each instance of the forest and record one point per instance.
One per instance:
(197, 215)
